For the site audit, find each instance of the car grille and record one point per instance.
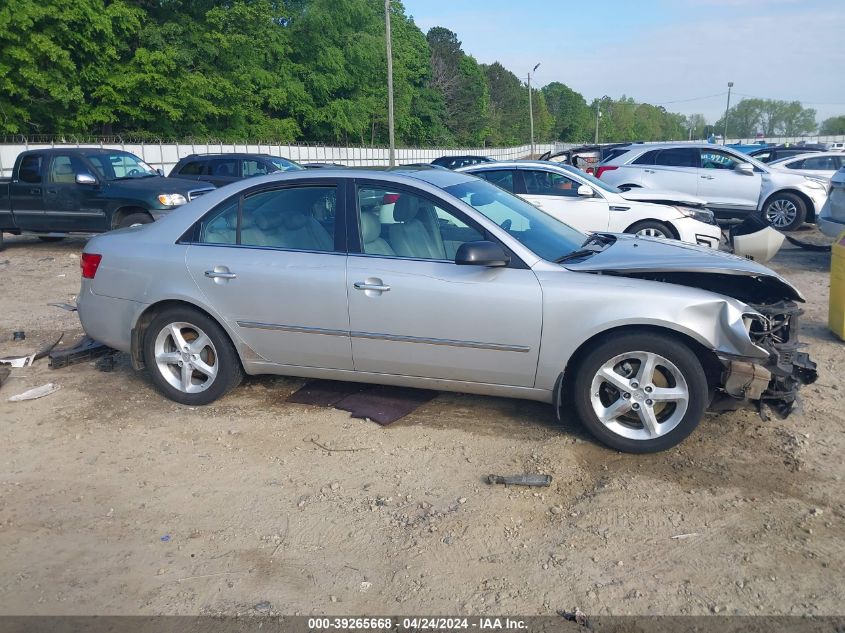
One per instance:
(196, 193)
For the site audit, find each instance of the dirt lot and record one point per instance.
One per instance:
(114, 500)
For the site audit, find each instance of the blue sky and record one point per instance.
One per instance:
(668, 52)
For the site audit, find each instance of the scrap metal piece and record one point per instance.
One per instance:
(37, 392)
(64, 306)
(85, 349)
(520, 480)
(20, 335)
(17, 361)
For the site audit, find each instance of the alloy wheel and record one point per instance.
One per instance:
(639, 395)
(186, 357)
(781, 213)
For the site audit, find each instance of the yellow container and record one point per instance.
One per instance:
(836, 315)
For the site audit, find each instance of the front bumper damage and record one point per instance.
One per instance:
(772, 384)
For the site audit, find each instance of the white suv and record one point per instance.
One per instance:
(733, 184)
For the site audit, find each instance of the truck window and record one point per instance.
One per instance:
(63, 170)
(193, 168)
(30, 169)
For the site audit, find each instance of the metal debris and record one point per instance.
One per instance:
(85, 349)
(64, 306)
(35, 393)
(520, 480)
(577, 616)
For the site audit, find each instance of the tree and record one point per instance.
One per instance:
(695, 124)
(833, 125)
(769, 116)
(573, 119)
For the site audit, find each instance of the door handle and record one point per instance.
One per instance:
(707, 177)
(215, 274)
(648, 171)
(52, 192)
(35, 192)
(363, 285)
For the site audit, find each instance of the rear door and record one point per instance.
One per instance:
(222, 171)
(557, 195)
(723, 186)
(414, 312)
(272, 263)
(26, 192)
(671, 169)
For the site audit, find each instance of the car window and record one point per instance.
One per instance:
(63, 170)
(398, 223)
(223, 167)
(545, 183)
(821, 162)
(763, 157)
(30, 168)
(646, 159)
(299, 218)
(714, 159)
(500, 177)
(252, 167)
(677, 157)
(193, 168)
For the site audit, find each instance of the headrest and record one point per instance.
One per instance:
(265, 221)
(370, 227)
(405, 208)
(64, 170)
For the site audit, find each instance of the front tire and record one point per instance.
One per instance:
(785, 212)
(134, 219)
(640, 392)
(189, 356)
(651, 228)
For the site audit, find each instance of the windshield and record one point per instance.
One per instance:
(595, 182)
(541, 233)
(120, 165)
(282, 164)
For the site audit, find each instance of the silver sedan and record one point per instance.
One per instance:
(435, 279)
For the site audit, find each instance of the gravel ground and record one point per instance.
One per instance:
(114, 500)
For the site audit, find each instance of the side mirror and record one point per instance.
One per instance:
(586, 191)
(160, 171)
(85, 179)
(481, 254)
(745, 168)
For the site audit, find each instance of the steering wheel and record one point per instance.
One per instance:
(133, 172)
(506, 224)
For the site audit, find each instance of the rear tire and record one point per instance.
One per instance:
(652, 228)
(666, 387)
(190, 357)
(134, 219)
(785, 212)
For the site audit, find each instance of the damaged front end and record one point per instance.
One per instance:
(773, 384)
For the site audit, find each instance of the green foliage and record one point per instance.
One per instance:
(833, 125)
(312, 70)
(769, 116)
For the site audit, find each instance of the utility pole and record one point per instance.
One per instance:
(727, 108)
(598, 116)
(392, 151)
(531, 110)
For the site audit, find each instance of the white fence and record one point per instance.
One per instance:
(166, 155)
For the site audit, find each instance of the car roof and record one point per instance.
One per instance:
(438, 177)
(232, 155)
(86, 151)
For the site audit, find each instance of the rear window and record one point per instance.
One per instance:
(30, 169)
(500, 177)
(677, 157)
(611, 154)
(646, 159)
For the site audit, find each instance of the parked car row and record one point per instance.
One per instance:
(431, 278)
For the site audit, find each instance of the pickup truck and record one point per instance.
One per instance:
(86, 190)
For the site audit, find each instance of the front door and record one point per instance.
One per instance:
(723, 186)
(414, 312)
(276, 272)
(558, 196)
(67, 205)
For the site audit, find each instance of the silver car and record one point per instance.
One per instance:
(436, 279)
(732, 183)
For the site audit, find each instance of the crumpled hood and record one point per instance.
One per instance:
(690, 265)
(663, 197)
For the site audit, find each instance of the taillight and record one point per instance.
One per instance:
(89, 263)
(604, 168)
(390, 198)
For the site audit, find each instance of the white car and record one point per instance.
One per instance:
(733, 184)
(819, 164)
(588, 204)
(832, 217)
